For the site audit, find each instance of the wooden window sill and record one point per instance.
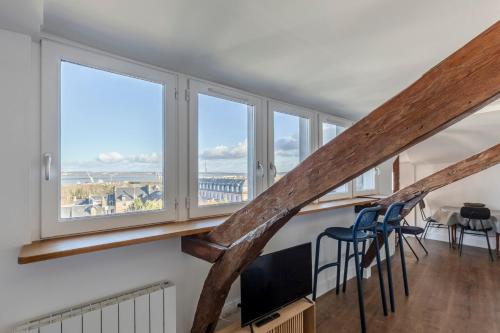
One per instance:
(72, 245)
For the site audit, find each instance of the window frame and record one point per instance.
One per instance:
(52, 54)
(373, 191)
(195, 87)
(293, 110)
(333, 120)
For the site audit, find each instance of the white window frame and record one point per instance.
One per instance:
(255, 144)
(52, 54)
(294, 111)
(329, 119)
(373, 191)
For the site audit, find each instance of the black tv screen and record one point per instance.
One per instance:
(275, 280)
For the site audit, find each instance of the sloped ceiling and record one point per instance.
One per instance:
(23, 16)
(343, 57)
(470, 136)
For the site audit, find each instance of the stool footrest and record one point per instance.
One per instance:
(333, 264)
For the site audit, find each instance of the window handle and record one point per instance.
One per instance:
(47, 161)
(260, 169)
(272, 167)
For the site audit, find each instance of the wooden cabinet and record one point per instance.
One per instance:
(298, 317)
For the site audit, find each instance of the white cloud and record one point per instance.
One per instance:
(225, 153)
(115, 157)
(112, 157)
(286, 146)
(146, 158)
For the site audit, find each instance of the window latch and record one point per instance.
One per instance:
(47, 162)
(260, 169)
(273, 169)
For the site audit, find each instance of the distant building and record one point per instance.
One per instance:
(125, 196)
(117, 202)
(221, 189)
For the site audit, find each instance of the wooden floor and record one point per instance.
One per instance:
(448, 293)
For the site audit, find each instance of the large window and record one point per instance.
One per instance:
(123, 145)
(290, 138)
(223, 150)
(111, 143)
(331, 127)
(106, 126)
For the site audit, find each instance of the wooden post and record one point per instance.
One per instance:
(396, 177)
(455, 88)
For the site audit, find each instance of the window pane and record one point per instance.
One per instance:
(330, 131)
(366, 181)
(223, 155)
(111, 143)
(291, 142)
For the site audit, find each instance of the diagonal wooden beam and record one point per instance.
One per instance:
(412, 194)
(459, 85)
(463, 82)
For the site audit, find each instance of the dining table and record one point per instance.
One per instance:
(450, 216)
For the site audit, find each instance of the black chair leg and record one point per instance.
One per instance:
(380, 276)
(389, 271)
(360, 288)
(363, 258)
(487, 240)
(449, 239)
(339, 251)
(413, 251)
(346, 265)
(461, 240)
(403, 263)
(426, 228)
(316, 264)
(422, 245)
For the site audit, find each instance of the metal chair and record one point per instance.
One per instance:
(363, 229)
(407, 229)
(475, 213)
(392, 222)
(432, 223)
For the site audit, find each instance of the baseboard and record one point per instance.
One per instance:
(441, 234)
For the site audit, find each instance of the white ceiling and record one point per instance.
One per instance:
(343, 57)
(470, 136)
(23, 16)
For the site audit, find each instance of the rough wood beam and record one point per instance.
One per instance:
(455, 88)
(459, 85)
(412, 194)
(198, 247)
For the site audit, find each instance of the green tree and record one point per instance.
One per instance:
(137, 204)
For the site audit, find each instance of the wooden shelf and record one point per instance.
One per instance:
(72, 245)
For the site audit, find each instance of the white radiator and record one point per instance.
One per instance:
(150, 309)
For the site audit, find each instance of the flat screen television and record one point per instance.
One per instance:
(275, 280)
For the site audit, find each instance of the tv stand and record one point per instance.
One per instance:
(267, 319)
(298, 317)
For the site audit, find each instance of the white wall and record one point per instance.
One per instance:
(482, 187)
(37, 289)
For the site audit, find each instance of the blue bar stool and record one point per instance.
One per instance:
(364, 228)
(392, 222)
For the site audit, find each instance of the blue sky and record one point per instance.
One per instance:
(111, 122)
